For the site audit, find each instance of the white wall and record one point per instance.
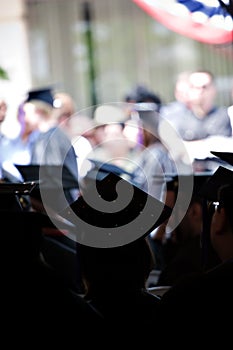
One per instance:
(14, 58)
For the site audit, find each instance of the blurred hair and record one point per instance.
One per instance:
(141, 94)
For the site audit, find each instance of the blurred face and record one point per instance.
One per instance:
(31, 117)
(200, 81)
(132, 131)
(64, 106)
(202, 91)
(182, 88)
(3, 110)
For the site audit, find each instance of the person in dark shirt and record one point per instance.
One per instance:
(181, 250)
(38, 307)
(204, 299)
(115, 285)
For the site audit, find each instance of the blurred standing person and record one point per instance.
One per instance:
(139, 98)
(52, 146)
(152, 165)
(154, 162)
(141, 95)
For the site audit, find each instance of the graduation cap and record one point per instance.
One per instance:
(222, 176)
(52, 181)
(209, 164)
(11, 195)
(113, 212)
(16, 188)
(44, 95)
(181, 191)
(99, 170)
(225, 156)
(48, 175)
(185, 182)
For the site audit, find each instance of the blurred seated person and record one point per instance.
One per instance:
(110, 144)
(201, 120)
(154, 161)
(141, 104)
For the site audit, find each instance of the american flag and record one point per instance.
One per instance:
(207, 21)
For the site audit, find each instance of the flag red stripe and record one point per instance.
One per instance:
(205, 33)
